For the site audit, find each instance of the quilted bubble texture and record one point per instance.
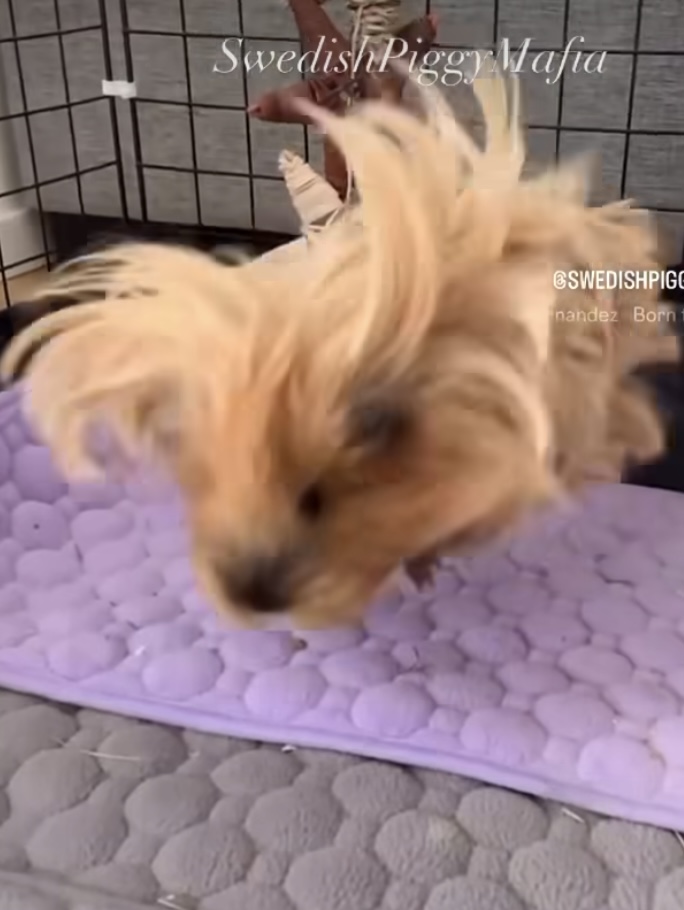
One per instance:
(102, 812)
(553, 664)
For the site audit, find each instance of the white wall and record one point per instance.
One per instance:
(20, 234)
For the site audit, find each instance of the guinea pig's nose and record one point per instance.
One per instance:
(261, 583)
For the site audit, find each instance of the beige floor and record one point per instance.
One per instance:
(22, 287)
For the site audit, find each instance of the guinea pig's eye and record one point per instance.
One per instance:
(378, 425)
(311, 502)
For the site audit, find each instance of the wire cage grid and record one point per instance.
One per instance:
(183, 152)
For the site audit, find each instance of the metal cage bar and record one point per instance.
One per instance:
(67, 92)
(191, 112)
(116, 133)
(632, 94)
(135, 117)
(248, 126)
(32, 150)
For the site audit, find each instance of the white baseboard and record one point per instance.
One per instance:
(20, 239)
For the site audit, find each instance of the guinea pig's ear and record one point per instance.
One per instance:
(378, 423)
(90, 376)
(141, 356)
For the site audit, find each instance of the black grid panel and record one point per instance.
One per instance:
(59, 137)
(184, 153)
(200, 159)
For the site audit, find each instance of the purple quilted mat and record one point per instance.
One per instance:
(554, 666)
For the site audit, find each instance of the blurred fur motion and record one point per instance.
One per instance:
(400, 388)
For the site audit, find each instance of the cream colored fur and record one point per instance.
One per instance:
(433, 300)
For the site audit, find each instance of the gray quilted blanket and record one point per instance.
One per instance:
(99, 812)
